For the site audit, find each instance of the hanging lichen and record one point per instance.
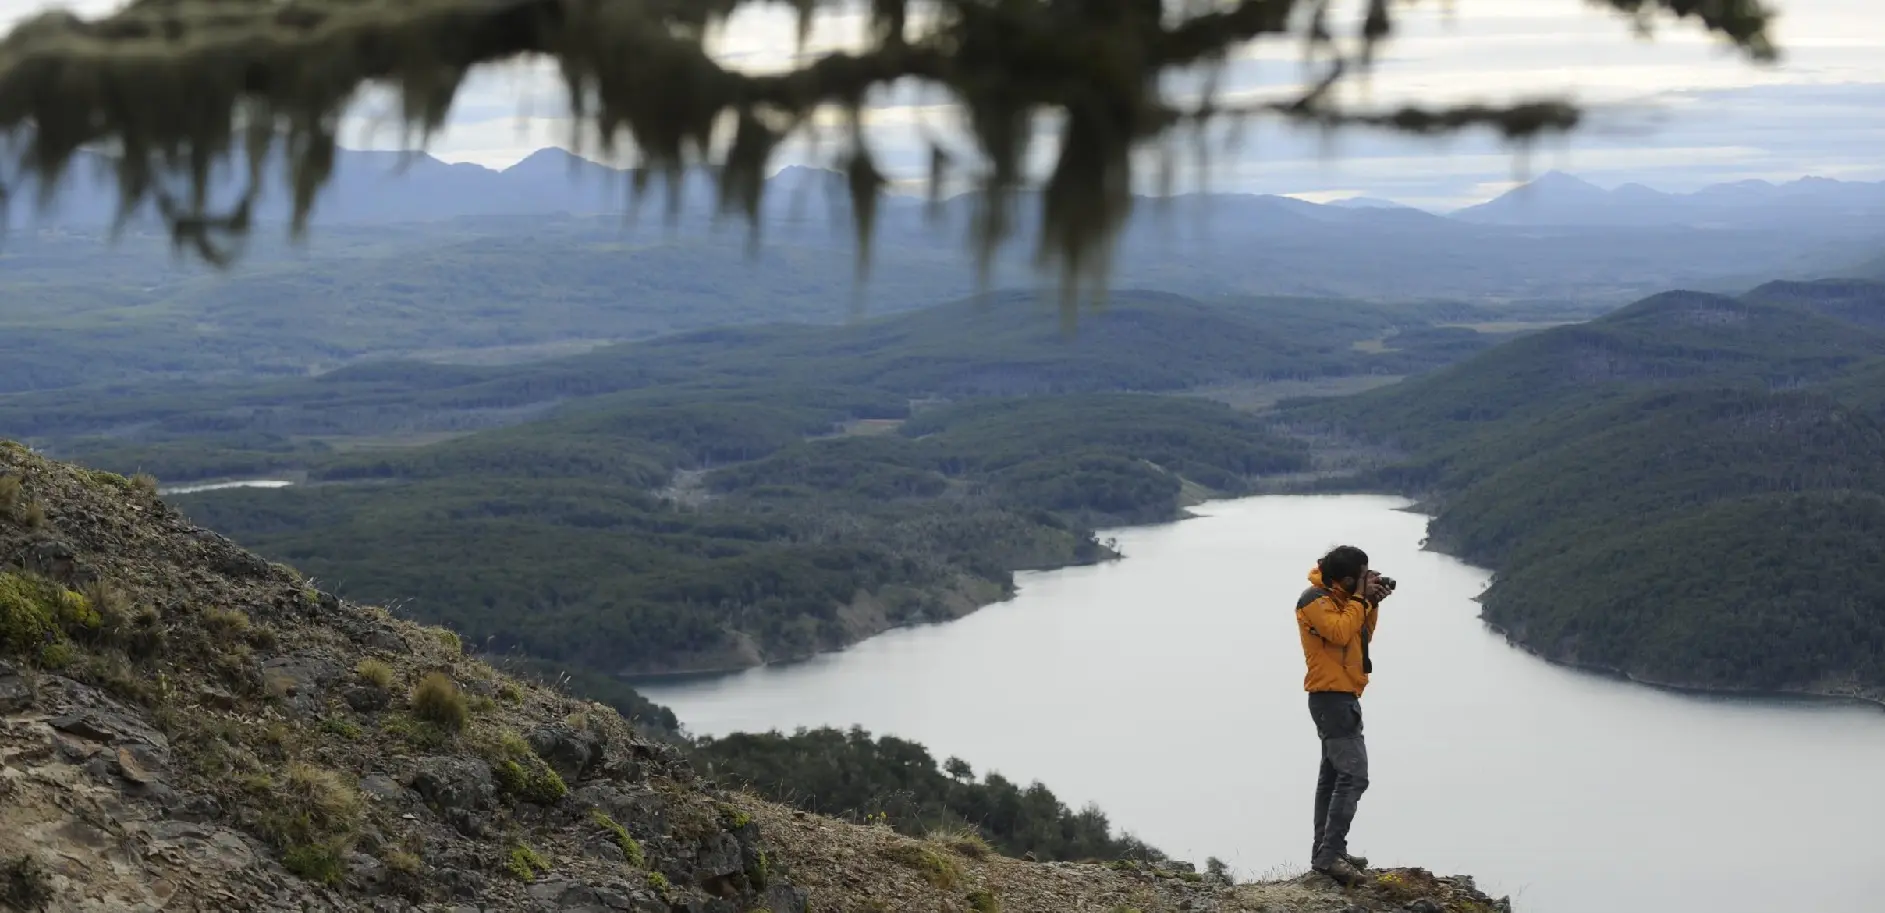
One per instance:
(170, 89)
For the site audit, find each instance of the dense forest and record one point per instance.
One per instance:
(719, 498)
(563, 540)
(1689, 490)
(857, 776)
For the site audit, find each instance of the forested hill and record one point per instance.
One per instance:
(727, 497)
(1011, 343)
(1689, 490)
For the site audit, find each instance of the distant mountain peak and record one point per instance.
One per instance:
(551, 157)
(1559, 180)
(1368, 203)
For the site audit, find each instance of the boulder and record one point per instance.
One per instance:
(572, 754)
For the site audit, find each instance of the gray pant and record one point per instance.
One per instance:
(1344, 775)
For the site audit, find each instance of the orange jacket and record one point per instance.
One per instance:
(1334, 626)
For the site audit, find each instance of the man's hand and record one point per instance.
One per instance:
(1375, 590)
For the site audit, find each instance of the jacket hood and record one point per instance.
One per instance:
(1315, 579)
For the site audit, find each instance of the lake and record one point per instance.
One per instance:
(1167, 689)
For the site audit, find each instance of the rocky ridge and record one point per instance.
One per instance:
(184, 726)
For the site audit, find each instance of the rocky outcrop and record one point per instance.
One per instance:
(185, 727)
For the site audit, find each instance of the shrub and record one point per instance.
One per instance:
(313, 816)
(34, 516)
(375, 672)
(449, 639)
(11, 493)
(24, 884)
(115, 617)
(317, 862)
(509, 693)
(345, 728)
(418, 734)
(436, 699)
(526, 864)
(55, 655)
(226, 625)
(34, 612)
(521, 773)
(145, 483)
(984, 901)
(401, 861)
(964, 841)
(630, 847)
(935, 868)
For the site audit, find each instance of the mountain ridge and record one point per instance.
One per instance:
(553, 179)
(188, 727)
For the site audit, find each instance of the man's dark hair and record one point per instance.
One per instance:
(1343, 562)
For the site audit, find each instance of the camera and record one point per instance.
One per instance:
(1385, 581)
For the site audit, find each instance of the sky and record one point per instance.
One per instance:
(1677, 112)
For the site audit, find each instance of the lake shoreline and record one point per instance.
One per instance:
(1873, 698)
(1184, 512)
(962, 606)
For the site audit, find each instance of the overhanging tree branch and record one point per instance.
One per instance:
(172, 87)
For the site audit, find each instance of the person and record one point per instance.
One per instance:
(1336, 617)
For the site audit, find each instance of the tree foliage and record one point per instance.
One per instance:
(174, 87)
(854, 775)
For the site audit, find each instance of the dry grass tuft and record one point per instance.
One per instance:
(314, 815)
(962, 840)
(377, 673)
(436, 699)
(939, 870)
(226, 625)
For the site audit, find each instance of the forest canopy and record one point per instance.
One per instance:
(171, 88)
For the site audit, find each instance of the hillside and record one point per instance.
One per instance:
(1655, 489)
(1690, 338)
(265, 746)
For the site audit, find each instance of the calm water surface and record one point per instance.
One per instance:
(1167, 688)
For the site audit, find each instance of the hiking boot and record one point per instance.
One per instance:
(1359, 862)
(1343, 872)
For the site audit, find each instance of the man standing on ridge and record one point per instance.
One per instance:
(1336, 618)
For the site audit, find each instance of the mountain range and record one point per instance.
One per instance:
(394, 187)
(1560, 199)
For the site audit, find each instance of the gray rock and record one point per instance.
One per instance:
(365, 872)
(200, 847)
(566, 896)
(107, 726)
(605, 849)
(719, 856)
(572, 753)
(454, 783)
(459, 789)
(366, 699)
(386, 640)
(783, 898)
(298, 680)
(383, 787)
(50, 558)
(463, 884)
(1425, 905)
(16, 693)
(197, 809)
